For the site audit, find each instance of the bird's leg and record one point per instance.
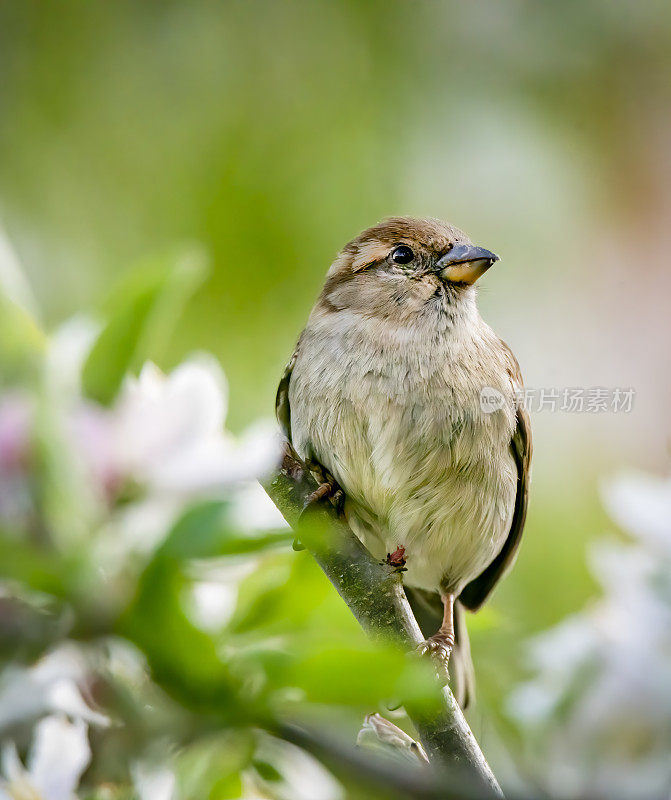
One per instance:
(441, 643)
(327, 489)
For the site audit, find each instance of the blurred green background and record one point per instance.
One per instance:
(273, 132)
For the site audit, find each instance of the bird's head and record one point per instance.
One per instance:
(407, 264)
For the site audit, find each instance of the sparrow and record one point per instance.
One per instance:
(400, 396)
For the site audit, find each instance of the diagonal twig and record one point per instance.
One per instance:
(375, 595)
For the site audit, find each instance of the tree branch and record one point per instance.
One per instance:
(375, 595)
(386, 777)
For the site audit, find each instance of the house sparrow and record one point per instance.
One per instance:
(401, 395)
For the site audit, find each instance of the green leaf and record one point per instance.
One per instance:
(183, 659)
(271, 601)
(267, 771)
(204, 531)
(359, 675)
(140, 317)
(31, 566)
(21, 341)
(210, 767)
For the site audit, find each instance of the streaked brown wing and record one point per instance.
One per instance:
(479, 589)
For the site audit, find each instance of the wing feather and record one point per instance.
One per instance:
(282, 406)
(479, 589)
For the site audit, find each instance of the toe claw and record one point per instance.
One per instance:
(339, 501)
(323, 491)
(438, 650)
(326, 490)
(437, 647)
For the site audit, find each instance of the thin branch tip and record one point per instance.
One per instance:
(374, 593)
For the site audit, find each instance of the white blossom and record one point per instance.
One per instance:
(251, 509)
(300, 776)
(169, 432)
(153, 783)
(59, 754)
(66, 354)
(51, 685)
(641, 505)
(166, 435)
(214, 599)
(599, 705)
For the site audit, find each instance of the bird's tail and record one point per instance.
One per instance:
(462, 674)
(428, 610)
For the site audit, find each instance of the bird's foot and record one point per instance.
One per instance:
(328, 489)
(439, 648)
(325, 490)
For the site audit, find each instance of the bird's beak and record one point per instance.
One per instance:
(465, 263)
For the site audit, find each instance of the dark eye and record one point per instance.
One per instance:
(402, 255)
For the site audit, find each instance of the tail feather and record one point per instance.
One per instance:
(462, 673)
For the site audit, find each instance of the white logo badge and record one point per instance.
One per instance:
(491, 400)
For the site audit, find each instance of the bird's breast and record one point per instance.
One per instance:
(402, 430)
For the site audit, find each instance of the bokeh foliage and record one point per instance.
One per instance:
(271, 133)
(212, 692)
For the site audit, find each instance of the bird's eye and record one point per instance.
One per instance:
(402, 255)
